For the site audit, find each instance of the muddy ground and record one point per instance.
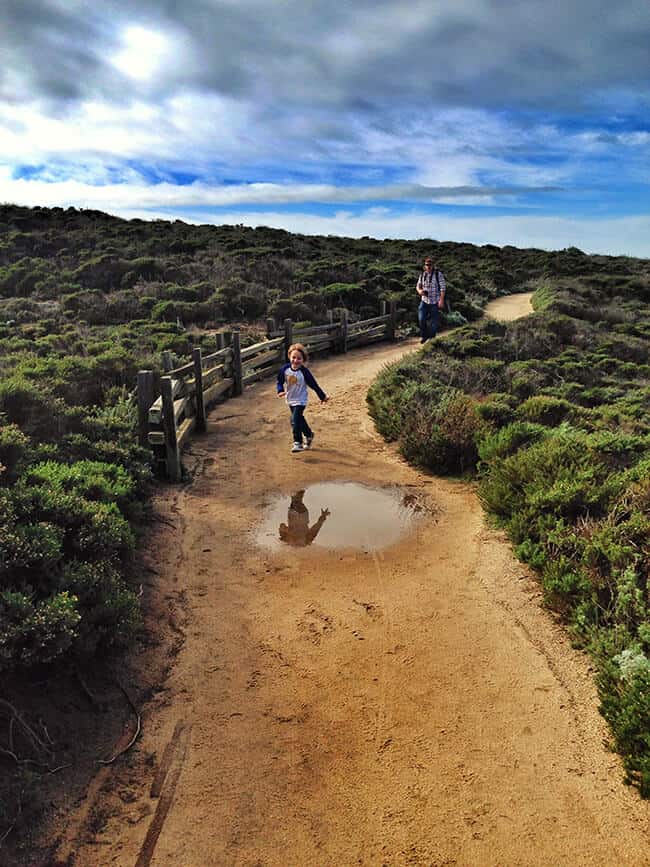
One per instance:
(406, 705)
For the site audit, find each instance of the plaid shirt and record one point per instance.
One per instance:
(433, 285)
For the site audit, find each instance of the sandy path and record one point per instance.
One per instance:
(510, 307)
(413, 706)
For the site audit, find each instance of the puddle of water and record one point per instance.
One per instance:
(337, 516)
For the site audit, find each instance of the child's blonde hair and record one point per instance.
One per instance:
(299, 348)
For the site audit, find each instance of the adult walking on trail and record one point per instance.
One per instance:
(431, 288)
(293, 379)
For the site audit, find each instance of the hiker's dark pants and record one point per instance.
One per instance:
(428, 320)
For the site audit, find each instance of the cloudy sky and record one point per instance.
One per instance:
(489, 121)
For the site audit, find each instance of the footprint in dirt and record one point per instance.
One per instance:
(371, 608)
(314, 624)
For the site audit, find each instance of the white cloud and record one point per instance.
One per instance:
(96, 188)
(143, 53)
(447, 148)
(187, 127)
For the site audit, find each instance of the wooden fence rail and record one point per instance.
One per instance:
(166, 421)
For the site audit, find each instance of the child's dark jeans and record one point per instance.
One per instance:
(299, 424)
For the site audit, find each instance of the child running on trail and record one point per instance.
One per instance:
(293, 379)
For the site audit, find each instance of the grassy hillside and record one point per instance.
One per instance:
(68, 266)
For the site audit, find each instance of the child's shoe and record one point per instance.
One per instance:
(310, 440)
(297, 447)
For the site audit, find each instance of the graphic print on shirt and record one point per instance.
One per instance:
(295, 387)
(294, 384)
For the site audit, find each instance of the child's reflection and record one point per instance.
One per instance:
(297, 531)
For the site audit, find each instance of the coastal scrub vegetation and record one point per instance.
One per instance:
(551, 415)
(550, 412)
(86, 300)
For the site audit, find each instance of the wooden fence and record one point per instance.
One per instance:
(166, 421)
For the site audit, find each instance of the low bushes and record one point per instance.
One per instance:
(35, 632)
(442, 432)
(72, 479)
(63, 544)
(558, 432)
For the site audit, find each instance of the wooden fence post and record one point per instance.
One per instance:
(288, 336)
(220, 339)
(270, 327)
(198, 384)
(238, 386)
(169, 427)
(344, 330)
(226, 341)
(392, 325)
(167, 361)
(330, 317)
(382, 308)
(145, 392)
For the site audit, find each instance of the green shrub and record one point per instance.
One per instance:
(350, 295)
(467, 310)
(441, 436)
(92, 480)
(290, 308)
(507, 440)
(526, 379)
(453, 319)
(389, 396)
(109, 609)
(620, 450)
(236, 299)
(31, 553)
(27, 406)
(559, 475)
(498, 409)
(14, 449)
(565, 585)
(96, 529)
(35, 632)
(624, 686)
(546, 410)
(173, 292)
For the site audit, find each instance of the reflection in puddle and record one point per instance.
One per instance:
(339, 515)
(297, 531)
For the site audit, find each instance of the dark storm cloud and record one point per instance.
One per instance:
(49, 51)
(484, 54)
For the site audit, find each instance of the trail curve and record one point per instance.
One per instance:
(408, 706)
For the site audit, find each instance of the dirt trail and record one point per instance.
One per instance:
(510, 307)
(412, 706)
